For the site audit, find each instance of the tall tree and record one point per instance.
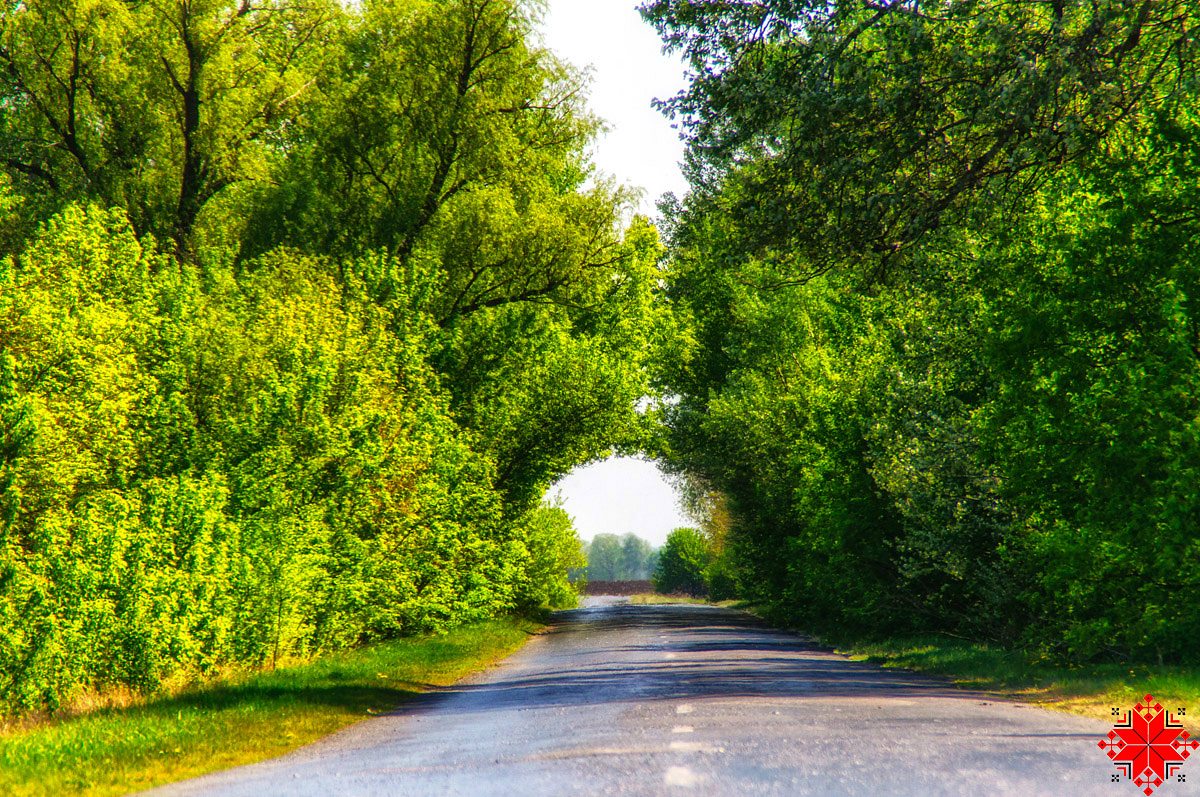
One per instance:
(604, 558)
(637, 558)
(157, 107)
(842, 133)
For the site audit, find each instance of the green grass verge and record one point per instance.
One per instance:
(1092, 690)
(239, 720)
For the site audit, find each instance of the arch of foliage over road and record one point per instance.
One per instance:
(303, 305)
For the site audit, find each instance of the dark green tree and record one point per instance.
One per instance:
(939, 268)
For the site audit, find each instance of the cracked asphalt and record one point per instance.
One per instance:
(618, 699)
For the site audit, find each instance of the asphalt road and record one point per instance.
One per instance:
(632, 700)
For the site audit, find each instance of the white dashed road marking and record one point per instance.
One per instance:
(681, 776)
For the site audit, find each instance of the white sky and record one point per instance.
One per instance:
(628, 71)
(618, 496)
(640, 149)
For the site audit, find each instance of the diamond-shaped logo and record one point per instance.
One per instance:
(1148, 746)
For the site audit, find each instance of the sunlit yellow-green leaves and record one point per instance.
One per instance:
(302, 309)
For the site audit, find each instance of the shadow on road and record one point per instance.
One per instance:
(699, 652)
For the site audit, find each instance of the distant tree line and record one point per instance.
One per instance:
(688, 563)
(619, 558)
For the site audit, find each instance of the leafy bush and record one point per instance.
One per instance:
(682, 563)
(553, 551)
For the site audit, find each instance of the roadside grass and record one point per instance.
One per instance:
(241, 719)
(654, 599)
(1092, 690)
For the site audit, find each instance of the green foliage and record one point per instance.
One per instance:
(683, 563)
(195, 477)
(160, 109)
(390, 316)
(549, 384)
(945, 308)
(838, 134)
(554, 551)
(199, 472)
(434, 124)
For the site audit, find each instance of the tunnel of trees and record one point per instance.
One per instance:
(303, 307)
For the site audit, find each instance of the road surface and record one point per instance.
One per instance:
(663, 700)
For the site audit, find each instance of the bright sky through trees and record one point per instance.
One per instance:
(619, 496)
(628, 71)
(640, 148)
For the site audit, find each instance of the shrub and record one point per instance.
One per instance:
(682, 563)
